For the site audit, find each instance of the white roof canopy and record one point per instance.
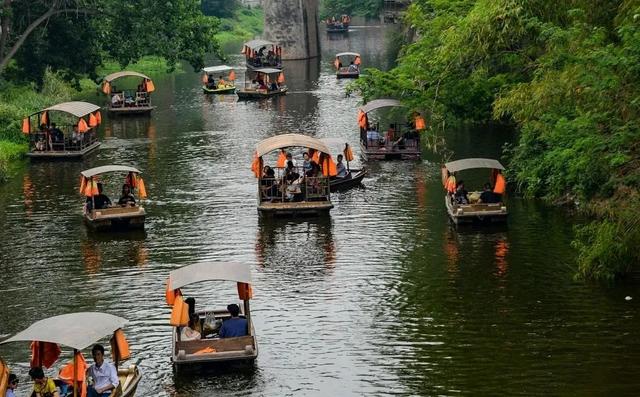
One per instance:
(381, 103)
(217, 69)
(108, 168)
(464, 164)
(207, 271)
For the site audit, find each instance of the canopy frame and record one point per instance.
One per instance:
(125, 73)
(108, 168)
(381, 103)
(210, 271)
(74, 108)
(290, 140)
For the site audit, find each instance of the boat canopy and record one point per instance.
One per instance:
(208, 271)
(108, 168)
(124, 73)
(290, 140)
(76, 108)
(465, 164)
(76, 330)
(381, 103)
(267, 70)
(217, 69)
(344, 54)
(258, 43)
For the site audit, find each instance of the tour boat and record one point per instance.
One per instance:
(128, 101)
(338, 26)
(354, 175)
(63, 131)
(262, 83)
(473, 210)
(210, 347)
(115, 217)
(347, 65)
(218, 84)
(284, 194)
(261, 54)
(78, 331)
(392, 144)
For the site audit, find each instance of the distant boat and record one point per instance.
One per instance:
(391, 145)
(213, 80)
(262, 54)
(52, 137)
(472, 209)
(340, 25)
(347, 65)
(354, 176)
(128, 101)
(128, 215)
(262, 83)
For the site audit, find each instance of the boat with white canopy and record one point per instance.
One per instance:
(79, 331)
(262, 83)
(261, 53)
(219, 79)
(486, 205)
(347, 65)
(209, 345)
(128, 100)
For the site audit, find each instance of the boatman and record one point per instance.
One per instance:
(104, 374)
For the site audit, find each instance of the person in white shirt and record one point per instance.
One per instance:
(189, 332)
(11, 385)
(103, 373)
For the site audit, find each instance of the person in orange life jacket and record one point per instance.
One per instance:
(104, 374)
(235, 326)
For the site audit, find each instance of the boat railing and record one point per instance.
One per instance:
(129, 99)
(303, 188)
(45, 142)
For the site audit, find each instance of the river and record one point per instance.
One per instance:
(384, 297)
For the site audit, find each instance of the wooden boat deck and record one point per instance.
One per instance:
(129, 379)
(131, 109)
(226, 349)
(127, 218)
(63, 154)
(478, 212)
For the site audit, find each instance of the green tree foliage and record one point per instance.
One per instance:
(71, 35)
(365, 8)
(220, 8)
(566, 73)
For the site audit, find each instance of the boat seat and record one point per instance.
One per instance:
(220, 345)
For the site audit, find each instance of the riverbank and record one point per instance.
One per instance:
(17, 101)
(565, 75)
(246, 24)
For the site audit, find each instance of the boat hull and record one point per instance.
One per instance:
(129, 379)
(115, 219)
(476, 213)
(63, 155)
(342, 75)
(383, 153)
(228, 90)
(294, 209)
(253, 94)
(342, 184)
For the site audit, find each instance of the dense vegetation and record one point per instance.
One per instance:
(364, 8)
(567, 73)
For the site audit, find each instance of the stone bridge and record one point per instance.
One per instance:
(294, 25)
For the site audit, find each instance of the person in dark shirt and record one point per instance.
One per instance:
(56, 134)
(100, 200)
(127, 199)
(235, 326)
(461, 195)
(487, 196)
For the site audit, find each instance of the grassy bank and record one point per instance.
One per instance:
(246, 24)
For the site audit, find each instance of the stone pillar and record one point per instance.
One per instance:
(293, 24)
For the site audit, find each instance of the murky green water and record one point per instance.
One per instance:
(382, 298)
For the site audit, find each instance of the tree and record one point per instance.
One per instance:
(124, 30)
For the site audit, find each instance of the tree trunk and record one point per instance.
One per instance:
(5, 25)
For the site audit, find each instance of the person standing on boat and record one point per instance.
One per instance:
(235, 326)
(306, 164)
(11, 385)
(103, 373)
(340, 168)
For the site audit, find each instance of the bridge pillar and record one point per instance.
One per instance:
(293, 24)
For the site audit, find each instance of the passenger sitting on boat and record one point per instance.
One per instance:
(340, 168)
(262, 85)
(290, 159)
(104, 374)
(268, 182)
(126, 199)
(56, 133)
(488, 196)
(461, 195)
(390, 135)
(12, 383)
(189, 332)
(234, 326)
(76, 136)
(306, 165)
(372, 135)
(42, 385)
(116, 99)
(314, 169)
(353, 68)
(221, 83)
(274, 86)
(290, 171)
(211, 81)
(100, 200)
